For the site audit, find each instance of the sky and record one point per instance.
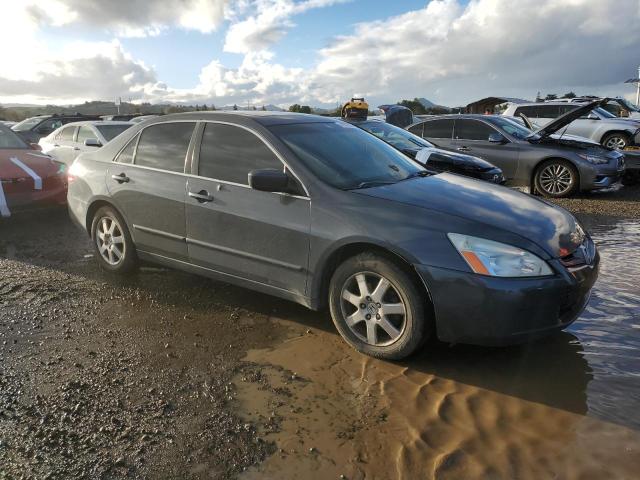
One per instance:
(315, 52)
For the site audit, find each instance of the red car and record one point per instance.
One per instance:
(28, 178)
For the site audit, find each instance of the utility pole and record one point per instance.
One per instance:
(637, 83)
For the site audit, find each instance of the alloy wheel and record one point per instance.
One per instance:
(556, 179)
(373, 309)
(616, 143)
(110, 240)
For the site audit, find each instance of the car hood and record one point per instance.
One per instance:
(552, 228)
(564, 120)
(21, 164)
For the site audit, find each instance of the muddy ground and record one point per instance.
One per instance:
(169, 375)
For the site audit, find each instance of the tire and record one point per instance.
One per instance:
(116, 253)
(556, 179)
(616, 140)
(391, 336)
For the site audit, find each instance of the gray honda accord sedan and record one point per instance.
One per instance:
(317, 211)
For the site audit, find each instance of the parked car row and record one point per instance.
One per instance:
(322, 212)
(555, 165)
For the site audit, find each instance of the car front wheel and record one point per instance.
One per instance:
(114, 249)
(556, 178)
(616, 141)
(377, 307)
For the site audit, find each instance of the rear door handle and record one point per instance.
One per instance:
(76, 148)
(463, 149)
(120, 178)
(202, 196)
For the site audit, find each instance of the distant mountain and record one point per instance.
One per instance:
(429, 104)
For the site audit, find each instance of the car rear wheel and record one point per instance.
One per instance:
(114, 249)
(616, 141)
(377, 307)
(556, 178)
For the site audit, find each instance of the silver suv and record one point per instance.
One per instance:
(597, 125)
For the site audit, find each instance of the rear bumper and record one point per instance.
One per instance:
(21, 196)
(492, 311)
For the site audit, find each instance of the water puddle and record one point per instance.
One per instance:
(565, 407)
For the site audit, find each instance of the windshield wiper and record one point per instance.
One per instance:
(372, 183)
(419, 173)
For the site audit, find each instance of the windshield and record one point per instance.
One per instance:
(511, 127)
(8, 139)
(345, 156)
(628, 105)
(603, 113)
(111, 131)
(27, 124)
(396, 136)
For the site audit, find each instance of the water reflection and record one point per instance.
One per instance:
(609, 329)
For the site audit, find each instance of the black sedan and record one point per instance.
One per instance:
(317, 211)
(429, 155)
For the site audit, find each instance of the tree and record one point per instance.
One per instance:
(305, 109)
(294, 108)
(569, 95)
(263, 108)
(414, 105)
(551, 96)
(235, 107)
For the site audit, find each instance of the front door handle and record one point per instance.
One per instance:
(120, 178)
(76, 148)
(463, 149)
(202, 196)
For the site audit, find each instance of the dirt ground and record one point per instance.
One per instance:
(170, 375)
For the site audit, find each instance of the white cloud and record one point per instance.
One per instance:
(131, 18)
(448, 52)
(268, 25)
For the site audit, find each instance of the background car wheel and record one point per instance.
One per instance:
(616, 141)
(377, 307)
(556, 178)
(114, 249)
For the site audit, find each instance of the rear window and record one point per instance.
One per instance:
(164, 146)
(438, 129)
(111, 131)
(8, 139)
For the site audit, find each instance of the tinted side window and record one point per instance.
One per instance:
(229, 153)
(473, 130)
(126, 155)
(438, 129)
(529, 112)
(164, 146)
(66, 134)
(417, 129)
(84, 133)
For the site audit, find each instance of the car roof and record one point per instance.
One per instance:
(263, 118)
(98, 123)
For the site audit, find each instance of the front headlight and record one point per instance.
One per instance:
(596, 160)
(487, 257)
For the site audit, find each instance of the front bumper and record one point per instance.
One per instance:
(595, 177)
(492, 311)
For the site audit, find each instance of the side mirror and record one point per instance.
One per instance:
(35, 146)
(92, 142)
(269, 180)
(591, 116)
(497, 138)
